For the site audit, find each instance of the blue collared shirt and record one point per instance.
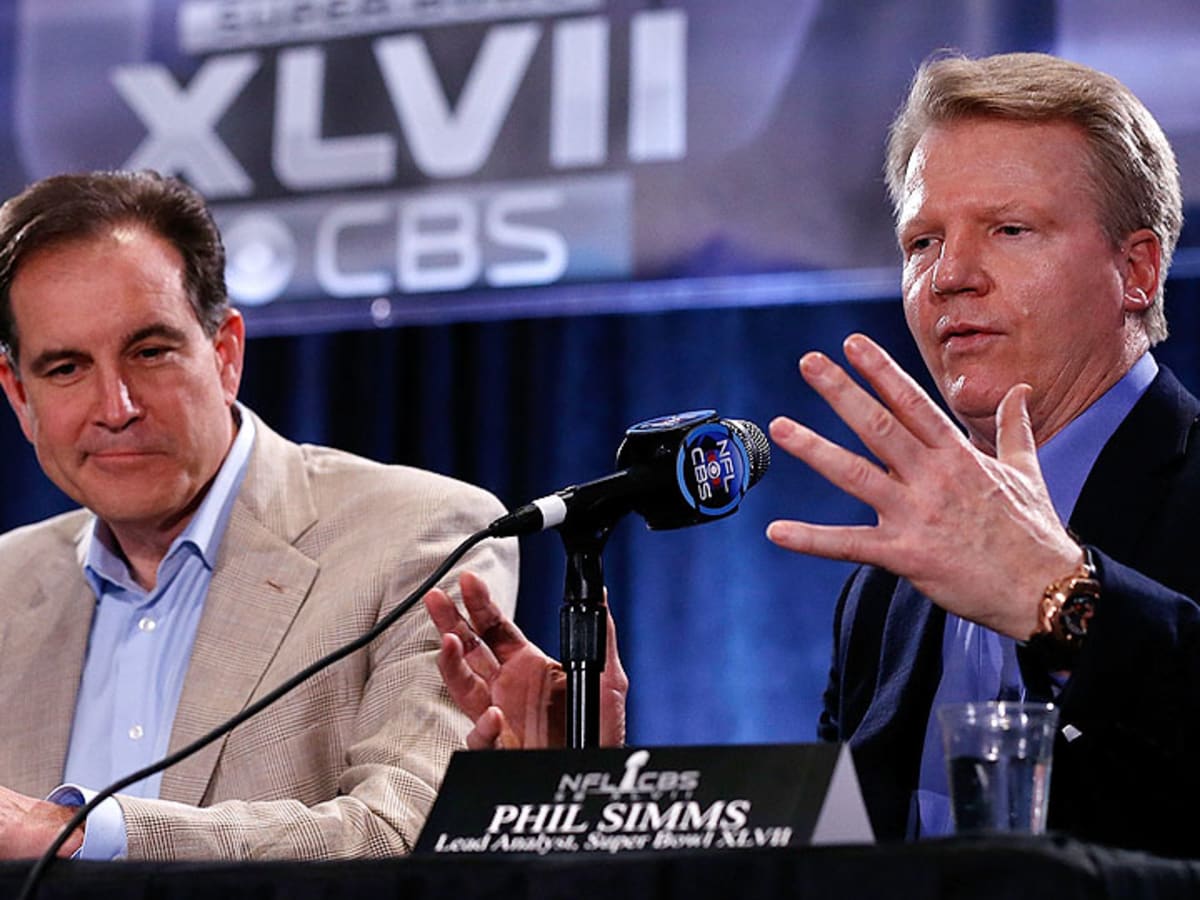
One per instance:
(138, 654)
(978, 663)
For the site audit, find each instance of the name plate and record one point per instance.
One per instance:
(539, 802)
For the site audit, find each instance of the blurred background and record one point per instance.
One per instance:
(484, 237)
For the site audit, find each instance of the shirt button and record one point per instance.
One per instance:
(136, 732)
(146, 624)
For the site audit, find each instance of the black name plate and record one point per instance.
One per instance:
(649, 799)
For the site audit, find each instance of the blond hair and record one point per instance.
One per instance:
(1135, 178)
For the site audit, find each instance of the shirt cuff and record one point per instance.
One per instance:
(104, 837)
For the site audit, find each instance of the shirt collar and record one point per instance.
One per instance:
(1067, 458)
(203, 532)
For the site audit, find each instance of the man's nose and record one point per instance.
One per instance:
(116, 404)
(958, 268)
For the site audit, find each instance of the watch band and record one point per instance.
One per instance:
(1065, 613)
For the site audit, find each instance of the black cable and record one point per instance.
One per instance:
(35, 874)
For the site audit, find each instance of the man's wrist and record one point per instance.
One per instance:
(105, 839)
(1065, 612)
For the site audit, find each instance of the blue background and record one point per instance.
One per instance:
(726, 638)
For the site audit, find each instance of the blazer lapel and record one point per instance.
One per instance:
(889, 740)
(259, 584)
(910, 661)
(1129, 481)
(43, 647)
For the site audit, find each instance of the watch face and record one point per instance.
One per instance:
(1077, 614)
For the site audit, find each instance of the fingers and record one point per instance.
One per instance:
(468, 690)
(614, 686)
(495, 629)
(857, 543)
(467, 665)
(854, 474)
(906, 399)
(1015, 443)
(613, 668)
(898, 426)
(446, 617)
(448, 620)
(489, 638)
(489, 726)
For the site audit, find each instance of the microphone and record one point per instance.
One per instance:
(678, 470)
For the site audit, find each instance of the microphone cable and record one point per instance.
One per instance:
(51, 853)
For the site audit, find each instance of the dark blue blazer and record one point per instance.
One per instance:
(1133, 773)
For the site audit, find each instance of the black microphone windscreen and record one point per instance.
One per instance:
(758, 447)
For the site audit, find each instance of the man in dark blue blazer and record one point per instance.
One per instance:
(1037, 207)
(1129, 777)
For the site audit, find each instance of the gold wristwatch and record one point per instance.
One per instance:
(1065, 612)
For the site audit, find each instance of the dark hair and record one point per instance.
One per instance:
(65, 208)
(1135, 179)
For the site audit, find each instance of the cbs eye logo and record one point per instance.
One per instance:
(713, 470)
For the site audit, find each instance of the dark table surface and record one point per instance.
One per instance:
(1050, 867)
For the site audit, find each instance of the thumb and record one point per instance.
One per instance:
(1015, 443)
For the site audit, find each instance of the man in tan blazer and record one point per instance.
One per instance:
(122, 360)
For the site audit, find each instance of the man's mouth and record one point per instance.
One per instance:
(117, 456)
(963, 335)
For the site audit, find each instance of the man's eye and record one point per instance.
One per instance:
(1012, 230)
(151, 352)
(62, 370)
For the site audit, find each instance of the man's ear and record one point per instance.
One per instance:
(230, 345)
(1142, 270)
(14, 390)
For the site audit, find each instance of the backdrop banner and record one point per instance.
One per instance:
(499, 176)
(387, 161)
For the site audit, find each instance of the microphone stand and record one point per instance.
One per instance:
(583, 632)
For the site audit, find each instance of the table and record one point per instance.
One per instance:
(1052, 867)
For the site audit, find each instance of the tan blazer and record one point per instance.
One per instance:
(320, 545)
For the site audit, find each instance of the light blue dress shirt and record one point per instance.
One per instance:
(138, 654)
(978, 663)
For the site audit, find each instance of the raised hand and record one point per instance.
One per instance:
(513, 692)
(977, 534)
